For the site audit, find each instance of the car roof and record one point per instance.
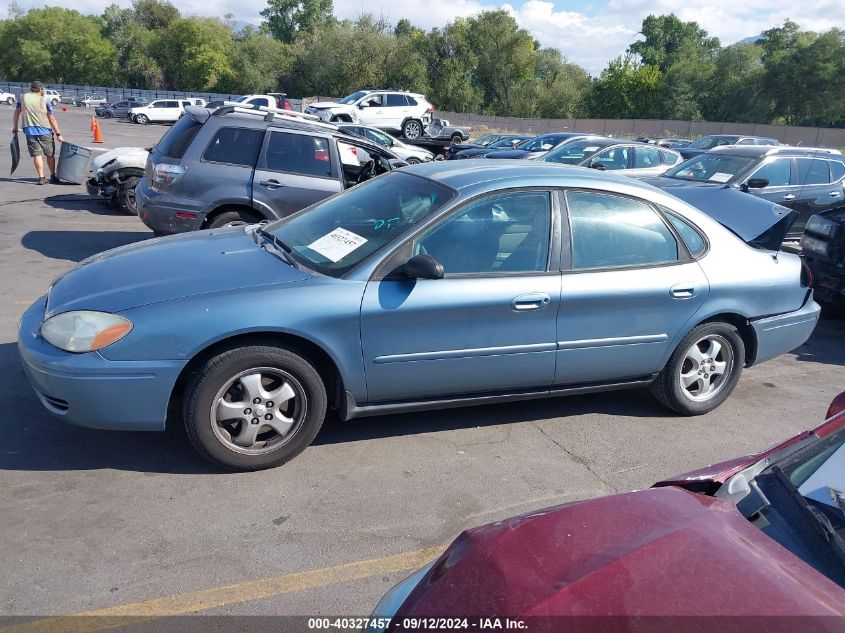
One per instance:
(759, 151)
(467, 174)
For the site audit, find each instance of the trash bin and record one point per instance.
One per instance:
(73, 163)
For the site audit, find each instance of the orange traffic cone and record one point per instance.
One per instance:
(98, 137)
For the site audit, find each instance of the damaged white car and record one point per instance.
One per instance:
(115, 175)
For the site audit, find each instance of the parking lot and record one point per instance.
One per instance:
(133, 523)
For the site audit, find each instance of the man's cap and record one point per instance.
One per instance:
(36, 85)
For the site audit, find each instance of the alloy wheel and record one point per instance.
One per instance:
(707, 366)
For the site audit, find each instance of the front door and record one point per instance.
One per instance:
(294, 170)
(373, 112)
(631, 290)
(488, 325)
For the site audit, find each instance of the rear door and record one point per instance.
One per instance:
(630, 290)
(294, 170)
(811, 190)
(397, 110)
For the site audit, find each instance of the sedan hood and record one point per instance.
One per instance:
(169, 268)
(326, 104)
(127, 156)
(757, 221)
(661, 551)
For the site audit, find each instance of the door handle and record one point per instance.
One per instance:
(834, 193)
(789, 196)
(533, 301)
(684, 290)
(270, 184)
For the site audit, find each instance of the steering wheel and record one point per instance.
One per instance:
(367, 171)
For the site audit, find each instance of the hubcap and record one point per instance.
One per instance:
(258, 410)
(707, 366)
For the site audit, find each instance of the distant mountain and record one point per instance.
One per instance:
(750, 40)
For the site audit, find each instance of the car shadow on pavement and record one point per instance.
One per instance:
(637, 403)
(75, 246)
(34, 439)
(82, 202)
(826, 345)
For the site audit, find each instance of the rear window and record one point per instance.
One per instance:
(176, 140)
(234, 146)
(695, 242)
(837, 170)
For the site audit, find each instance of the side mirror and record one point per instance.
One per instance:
(361, 106)
(596, 165)
(757, 183)
(422, 267)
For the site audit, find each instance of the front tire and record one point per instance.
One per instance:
(126, 196)
(412, 161)
(281, 390)
(54, 102)
(107, 114)
(142, 119)
(412, 129)
(11, 101)
(703, 370)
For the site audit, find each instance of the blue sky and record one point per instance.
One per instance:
(588, 33)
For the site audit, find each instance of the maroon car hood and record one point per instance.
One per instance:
(663, 551)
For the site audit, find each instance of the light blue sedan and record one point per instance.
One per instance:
(438, 285)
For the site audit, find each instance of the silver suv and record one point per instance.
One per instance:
(406, 112)
(239, 165)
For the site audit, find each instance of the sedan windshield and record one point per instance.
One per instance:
(537, 144)
(721, 168)
(353, 97)
(709, 142)
(335, 235)
(485, 140)
(572, 153)
(507, 141)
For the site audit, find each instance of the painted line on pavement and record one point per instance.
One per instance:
(203, 599)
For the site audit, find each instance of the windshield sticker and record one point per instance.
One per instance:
(591, 148)
(384, 224)
(721, 177)
(338, 244)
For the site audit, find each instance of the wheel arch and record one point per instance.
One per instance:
(129, 172)
(325, 364)
(223, 207)
(743, 326)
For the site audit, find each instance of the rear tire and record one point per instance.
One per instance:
(11, 101)
(54, 102)
(413, 161)
(412, 129)
(232, 217)
(457, 138)
(245, 379)
(107, 114)
(703, 370)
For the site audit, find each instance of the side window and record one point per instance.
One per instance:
(260, 102)
(298, 154)
(695, 242)
(234, 146)
(837, 171)
(396, 101)
(376, 138)
(746, 141)
(374, 101)
(812, 171)
(506, 233)
(410, 100)
(611, 231)
(122, 104)
(645, 157)
(776, 172)
(613, 158)
(668, 158)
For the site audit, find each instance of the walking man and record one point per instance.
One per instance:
(38, 127)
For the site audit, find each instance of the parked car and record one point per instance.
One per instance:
(808, 180)
(119, 110)
(53, 97)
(436, 285)
(440, 129)
(536, 147)
(506, 141)
(409, 153)
(265, 100)
(712, 141)
(214, 169)
(823, 249)
(481, 141)
(159, 111)
(672, 143)
(115, 174)
(609, 154)
(90, 101)
(8, 98)
(756, 536)
(392, 110)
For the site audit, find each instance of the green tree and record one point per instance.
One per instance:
(261, 62)
(58, 46)
(667, 39)
(736, 86)
(285, 18)
(626, 89)
(560, 88)
(195, 54)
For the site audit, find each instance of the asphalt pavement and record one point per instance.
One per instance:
(122, 523)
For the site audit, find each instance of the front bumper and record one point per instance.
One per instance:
(88, 390)
(164, 214)
(97, 186)
(782, 333)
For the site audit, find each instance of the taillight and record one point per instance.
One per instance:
(165, 174)
(806, 274)
(430, 109)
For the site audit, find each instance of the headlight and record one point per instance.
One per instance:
(814, 245)
(821, 226)
(84, 330)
